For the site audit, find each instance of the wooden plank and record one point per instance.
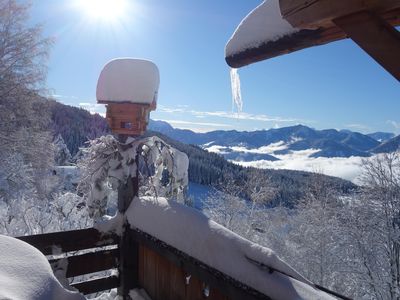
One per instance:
(129, 263)
(97, 285)
(376, 37)
(90, 262)
(230, 287)
(195, 289)
(67, 241)
(162, 270)
(168, 281)
(141, 264)
(312, 14)
(287, 44)
(129, 249)
(149, 273)
(177, 280)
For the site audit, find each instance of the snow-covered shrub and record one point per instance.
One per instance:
(62, 156)
(108, 164)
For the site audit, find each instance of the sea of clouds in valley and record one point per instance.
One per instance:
(344, 167)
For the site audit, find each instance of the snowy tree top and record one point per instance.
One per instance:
(264, 24)
(128, 80)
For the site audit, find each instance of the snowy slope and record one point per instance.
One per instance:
(193, 233)
(381, 136)
(388, 146)
(199, 193)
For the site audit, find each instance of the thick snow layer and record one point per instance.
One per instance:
(111, 224)
(263, 24)
(128, 80)
(25, 273)
(136, 294)
(193, 233)
(139, 294)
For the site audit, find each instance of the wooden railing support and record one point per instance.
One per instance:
(128, 267)
(129, 264)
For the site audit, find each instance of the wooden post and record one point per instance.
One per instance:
(376, 37)
(128, 267)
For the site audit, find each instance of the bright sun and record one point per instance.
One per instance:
(103, 10)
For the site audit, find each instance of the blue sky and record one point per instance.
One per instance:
(331, 86)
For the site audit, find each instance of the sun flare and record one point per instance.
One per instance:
(103, 10)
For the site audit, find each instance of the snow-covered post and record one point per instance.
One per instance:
(129, 87)
(129, 250)
(130, 189)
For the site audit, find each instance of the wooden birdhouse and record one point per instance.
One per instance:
(129, 88)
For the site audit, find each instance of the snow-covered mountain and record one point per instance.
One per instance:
(269, 144)
(381, 136)
(388, 146)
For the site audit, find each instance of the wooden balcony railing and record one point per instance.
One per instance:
(142, 261)
(70, 245)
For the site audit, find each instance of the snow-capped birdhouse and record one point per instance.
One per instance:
(128, 87)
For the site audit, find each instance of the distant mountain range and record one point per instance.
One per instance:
(272, 143)
(76, 126)
(388, 146)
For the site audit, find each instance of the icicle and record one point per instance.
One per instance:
(236, 92)
(206, 291)
(187, 279)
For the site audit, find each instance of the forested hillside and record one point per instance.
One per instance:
(76, 125)
(212, 169)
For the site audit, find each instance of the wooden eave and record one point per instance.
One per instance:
(370, 23)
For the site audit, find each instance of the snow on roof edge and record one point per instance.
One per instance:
(263, 24)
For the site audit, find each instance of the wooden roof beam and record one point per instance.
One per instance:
(313, 14)
(375, 36)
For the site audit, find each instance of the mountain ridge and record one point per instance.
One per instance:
(205, 168)
(329, 142)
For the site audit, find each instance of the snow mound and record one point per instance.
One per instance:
(128, 80)
(25, 273)
(263, 24)
(193, 233)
